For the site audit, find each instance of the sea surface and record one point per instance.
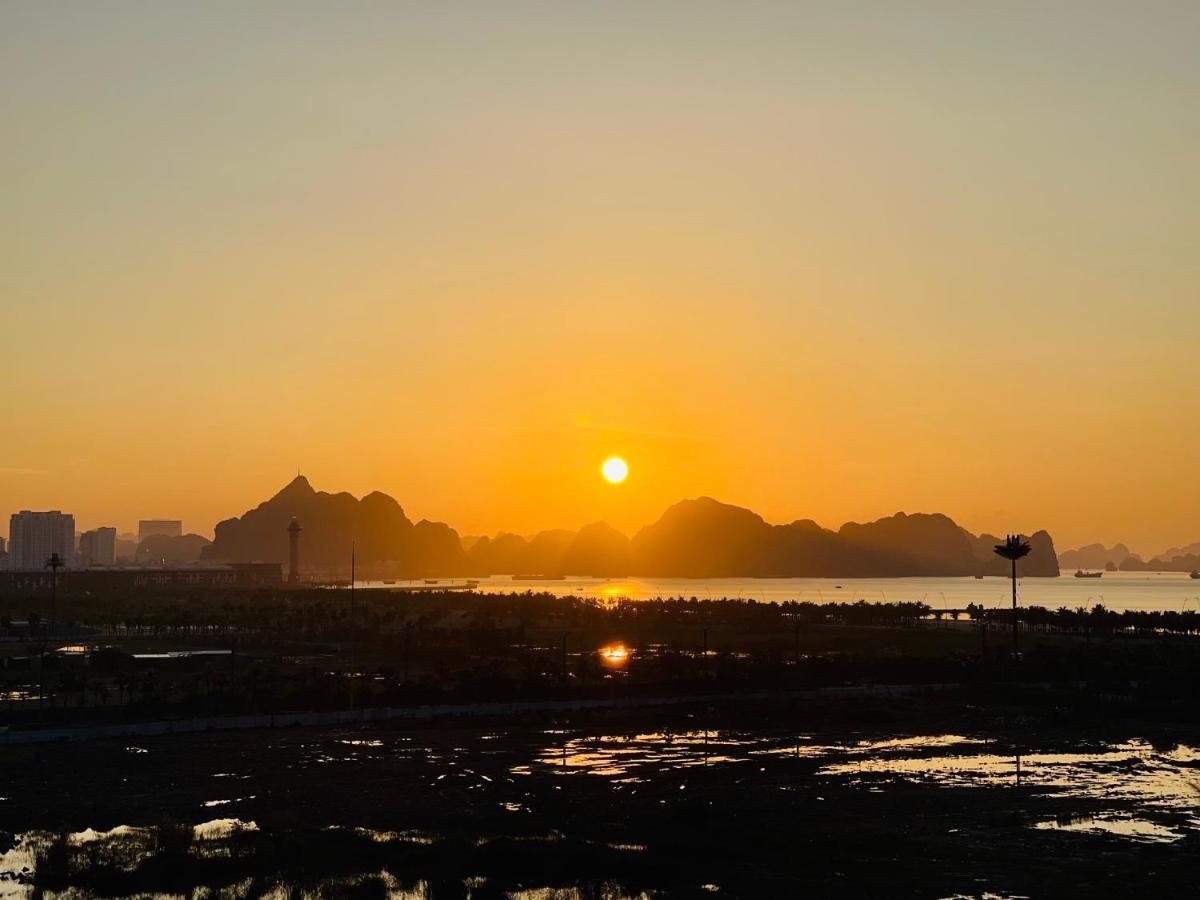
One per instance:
(1116, 590)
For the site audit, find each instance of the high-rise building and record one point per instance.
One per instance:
(169, 527)
(34, 537)
(98, 547)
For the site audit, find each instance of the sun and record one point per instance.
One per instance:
(615, 470)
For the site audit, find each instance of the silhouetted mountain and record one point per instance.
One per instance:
(544, 552)
(919, 544)
(1042, 561)
(694, 538)
(1094, 556)
(1189, 562)
(434, 549)
(597, 549)
(511, 554)
(705, 538)
(495, 556)
(1189, 550)
(332, 523)
(171, 549)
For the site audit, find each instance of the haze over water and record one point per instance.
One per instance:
(1116, 590)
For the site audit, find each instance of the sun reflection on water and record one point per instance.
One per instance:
(614, 654)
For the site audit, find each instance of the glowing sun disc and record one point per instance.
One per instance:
(615, 469)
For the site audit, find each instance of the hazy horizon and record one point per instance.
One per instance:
(630, 532)
(820, 261)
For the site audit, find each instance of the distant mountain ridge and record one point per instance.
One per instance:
(1189, 550)
(1121, 558)
(1188, 562)
(697, 538)
(1095, 556)
(706, 538)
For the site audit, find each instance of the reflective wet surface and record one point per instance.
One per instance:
(608, 806)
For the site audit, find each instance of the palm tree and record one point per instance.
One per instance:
(1013, 549)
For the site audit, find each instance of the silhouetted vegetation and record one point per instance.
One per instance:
(291, 650)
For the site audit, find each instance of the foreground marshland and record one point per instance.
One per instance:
(968, 792)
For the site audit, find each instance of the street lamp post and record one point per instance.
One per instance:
(54, 563)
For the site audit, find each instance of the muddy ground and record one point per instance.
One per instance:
(772, 798)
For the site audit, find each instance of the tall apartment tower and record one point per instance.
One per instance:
(294, 552)
(98, 547)
(34, 537)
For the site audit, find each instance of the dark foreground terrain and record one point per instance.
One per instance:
(967, 792)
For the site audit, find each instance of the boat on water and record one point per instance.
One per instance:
(1082, 574)
(431, 581)
(1195, 574)
(435, 588)
(979, 578)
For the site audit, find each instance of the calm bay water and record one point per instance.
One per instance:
(1116, 590)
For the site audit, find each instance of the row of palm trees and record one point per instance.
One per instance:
(1013, 549)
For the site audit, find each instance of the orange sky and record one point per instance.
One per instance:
(827, 261)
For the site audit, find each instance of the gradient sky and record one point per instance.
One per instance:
(823, 260)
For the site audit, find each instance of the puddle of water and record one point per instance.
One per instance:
(16, 867)
(917, 742)
(1114, 823)
(619, 755)
(229, 800)
(408, 837)
(571, 893)
(1132, 771)
(215, 829)
(21, 696)
(90, 835)
(1155, 784)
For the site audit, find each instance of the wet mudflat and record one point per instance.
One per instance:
(933, 797)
